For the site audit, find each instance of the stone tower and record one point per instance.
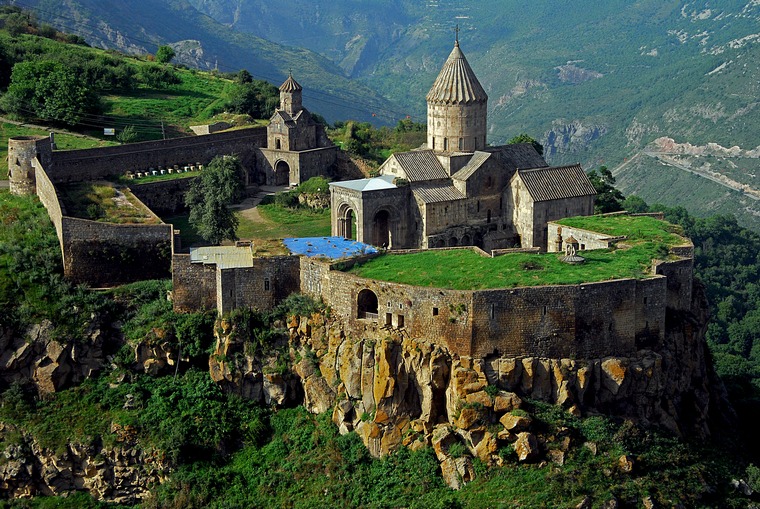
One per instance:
(457, 108)
(22, 151)
(290, 96)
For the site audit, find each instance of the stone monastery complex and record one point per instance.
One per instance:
(456, 191)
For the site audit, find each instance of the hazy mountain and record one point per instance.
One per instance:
(595, 82)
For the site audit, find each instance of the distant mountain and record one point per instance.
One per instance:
(140, 26)
(595, 82)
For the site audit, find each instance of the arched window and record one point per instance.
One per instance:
(366, 304)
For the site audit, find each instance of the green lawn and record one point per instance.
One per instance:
(62, 140)
(635, 227)
(280, 222)
(463, 269)
(104, 202)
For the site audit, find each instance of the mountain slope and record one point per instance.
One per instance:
(139, 26)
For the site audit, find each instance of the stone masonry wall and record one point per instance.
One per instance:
(586, 239)
(263, 286)
(105, 254)
(194, 285)
(163, 197)
(91, 164)
(584, 321)
(49, 198)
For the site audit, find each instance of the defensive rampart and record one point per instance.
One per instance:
(164, 197)
(98, 163)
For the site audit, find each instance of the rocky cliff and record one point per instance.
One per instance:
(395, 390)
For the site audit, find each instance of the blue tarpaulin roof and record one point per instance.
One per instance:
(328, 247)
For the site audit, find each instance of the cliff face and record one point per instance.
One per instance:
(394, 390)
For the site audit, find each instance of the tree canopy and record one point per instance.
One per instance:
(219, 185)
(524, 138)
(608, 198)
(165, 54)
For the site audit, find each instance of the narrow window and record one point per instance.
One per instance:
(435, 311)
(493, 311)
(277, 144)
(461, 144)
(610, 326)
(445, 144)
(266, 284)
(488, 219)
(400, 306)
(400, 320)
(433, 143)
(544, 310)
(478, 205)
(645, 301)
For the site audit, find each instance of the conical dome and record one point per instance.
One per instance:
(290, 85)
(457, 108)
(456, 83)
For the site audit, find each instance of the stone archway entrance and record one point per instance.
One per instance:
(366, 305)
(381, 234)
(281, 174)
(346, 223)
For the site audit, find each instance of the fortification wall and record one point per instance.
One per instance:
(49, 197)
(95, 163)
(679, 274)
(194, 285)
(263, 286)
(163, 197)
(105, 254)
(583, 321)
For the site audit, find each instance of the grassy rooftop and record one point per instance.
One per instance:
(463, 269)
(106, 202)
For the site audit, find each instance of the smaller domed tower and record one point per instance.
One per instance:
(291, 96)
(22, 150)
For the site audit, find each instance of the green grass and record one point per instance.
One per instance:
(466, 270)
(281, 222)
(63, 141)
(195, 100)
(635, 228)
(104, 202)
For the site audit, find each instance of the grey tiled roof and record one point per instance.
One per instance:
(477, 160)
(456, 83)
(290, 85)
(556, 183)
(519, 155)
(421, 165)
(436, 192)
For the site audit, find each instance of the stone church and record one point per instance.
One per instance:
(457, 190)
(297, 147)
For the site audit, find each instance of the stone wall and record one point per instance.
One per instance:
(193, 285)
(586, 239)
(546, 211)
(583, 321)
(96, 163)
(263, 286)
(106, 254)
(163, 197)
(49, 197)
(680, 276)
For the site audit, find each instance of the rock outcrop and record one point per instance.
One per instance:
(121, 474)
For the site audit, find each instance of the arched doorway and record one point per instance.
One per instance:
(366, 305)
(466, 240)
(346, 223)
(453, 242)
(381, 235)
(439, 243)
(281, 174)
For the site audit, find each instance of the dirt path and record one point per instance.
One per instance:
(248, 207)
